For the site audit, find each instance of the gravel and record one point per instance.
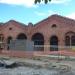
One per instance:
(32, 71)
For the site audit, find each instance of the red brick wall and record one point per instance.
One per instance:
(35, 53)
(63, 25)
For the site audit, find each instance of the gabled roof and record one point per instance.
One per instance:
(16, 23)
(58, 18)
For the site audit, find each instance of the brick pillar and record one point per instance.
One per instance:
(61, 43)
(29, 38)
(46, 45)
(5, 44)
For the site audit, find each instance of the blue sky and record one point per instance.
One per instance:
(26, 11)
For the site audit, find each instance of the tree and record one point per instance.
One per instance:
(45, 1)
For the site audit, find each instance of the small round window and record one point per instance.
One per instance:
(10, 28)
(54, 26)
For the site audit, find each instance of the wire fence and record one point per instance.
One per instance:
(54, 47)
(39, 47)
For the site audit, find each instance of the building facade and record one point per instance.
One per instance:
(51, 34)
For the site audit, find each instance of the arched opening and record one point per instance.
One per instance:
(67, 41)
(1, 38)
(54, 43)
(38, 41)
(9, 39)
(54, 26)
(1, 41)
(21, 36)
(73, 40)
(70, 39)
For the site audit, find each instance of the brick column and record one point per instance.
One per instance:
(5, 44)
(29, 38)
(61, 43)
(46, 45)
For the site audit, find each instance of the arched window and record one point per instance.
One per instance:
(54, 43)
(70, 39)
(1, 38)
(38, 41)
(21, 36)
(73, 40)
(9, 39)
(1, 41)
(67, 41)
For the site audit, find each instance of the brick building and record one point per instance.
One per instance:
(49, 34)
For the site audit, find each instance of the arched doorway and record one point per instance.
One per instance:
(54, 43)
(21, 42)
(70, 39)
(38, 41)
(21, 36)
(9, 39)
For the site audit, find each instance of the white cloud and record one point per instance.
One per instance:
(46, 13)
(72, 15)
(40, 13)
(30, 3)
(27, 3)
(59, 1)
(50, 12)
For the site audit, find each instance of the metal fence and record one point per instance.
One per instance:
(53, 47)
(29, 45)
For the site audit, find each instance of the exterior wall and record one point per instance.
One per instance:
(63, 25)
